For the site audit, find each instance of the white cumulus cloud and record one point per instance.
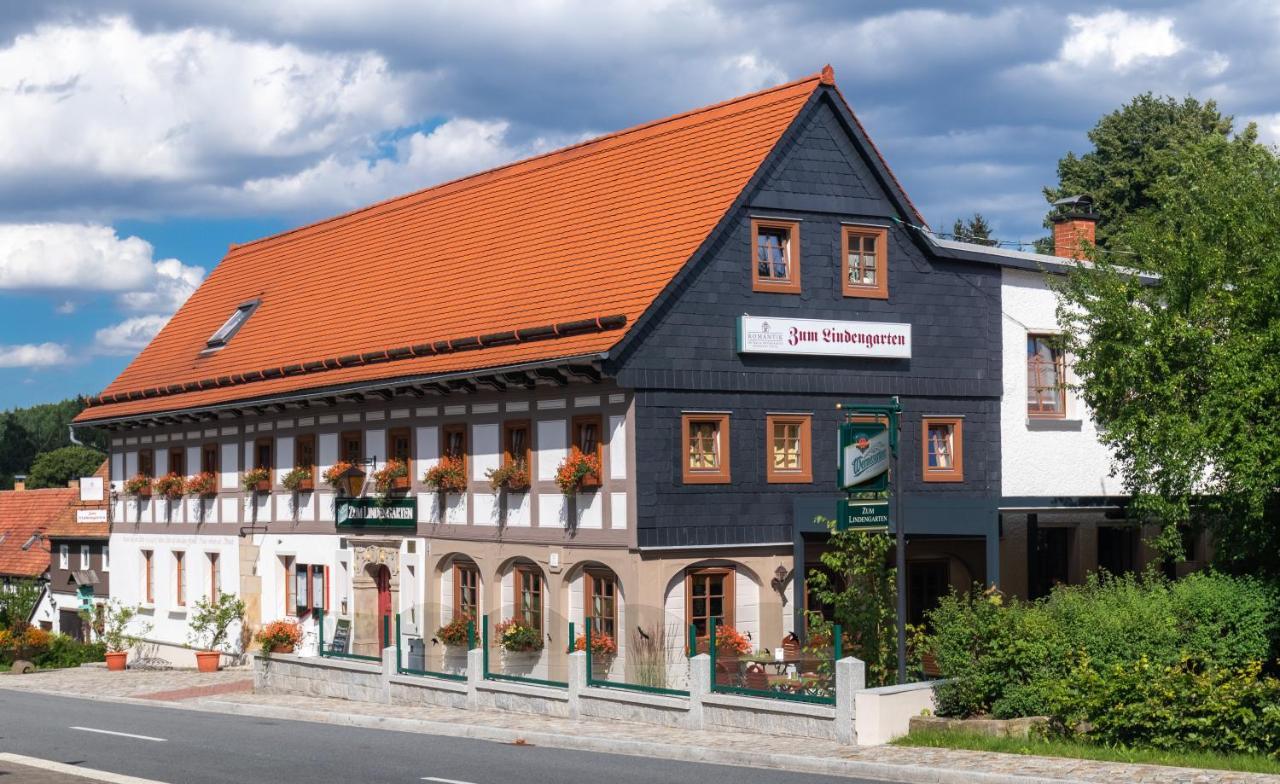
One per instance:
(36, 256)
(1119, 39)
(34, 355)
(129, 336)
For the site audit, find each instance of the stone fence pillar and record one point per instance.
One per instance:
(577, 682)
(475, 676)
(699, 687)
(851, 677)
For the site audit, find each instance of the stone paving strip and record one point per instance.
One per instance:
(889, 763)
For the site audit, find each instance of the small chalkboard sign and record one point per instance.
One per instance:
(341, 637)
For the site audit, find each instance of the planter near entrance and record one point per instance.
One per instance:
(117, 636)
(208, 661)
(116, 660)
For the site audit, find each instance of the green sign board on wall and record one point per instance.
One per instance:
(854, 515)
(864, 456)
(377, 513)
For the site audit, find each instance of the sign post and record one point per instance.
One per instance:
(868, 468)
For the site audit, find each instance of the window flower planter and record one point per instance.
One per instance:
(601, 644)
(516, 637)
(512, 477)
(139, 485)
(256, 480)
(447, 476)
(454, 633)
(578, 471)
(339, 476)
(171, 486)
(392, 477)
(202, 484)
(298, 481)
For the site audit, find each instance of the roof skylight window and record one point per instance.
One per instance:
(233, 324)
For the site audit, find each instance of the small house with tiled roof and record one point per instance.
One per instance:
(598, 384)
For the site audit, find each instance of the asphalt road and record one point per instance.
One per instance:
(193, 747)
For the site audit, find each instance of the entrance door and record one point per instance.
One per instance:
(382, 578)
(69, 624)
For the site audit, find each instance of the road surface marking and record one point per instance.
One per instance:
(74, 770)
(444, 781)
(121, 734)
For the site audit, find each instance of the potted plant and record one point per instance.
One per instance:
(202, 484)
(454, 633)
(210, 621)
(256, 480)
(139, 485)
(298, 480)
(279, 637)
(339, 474)
(577, 471)
(392, 476)
(171, 486)
(116, 636)
(517, 637)
(447, 476)
(601, 644)
(512, 477)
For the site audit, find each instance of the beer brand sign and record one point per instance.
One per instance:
(812, 337)
(864, 456)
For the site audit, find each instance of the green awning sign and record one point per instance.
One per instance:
(862, 516)
(864, 456)
(377, 513)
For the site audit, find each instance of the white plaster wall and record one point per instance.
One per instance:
(551, 440)
(1037, 462)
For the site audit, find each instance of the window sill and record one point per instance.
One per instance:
(177, 610)
(1051, 424)
(146, 607)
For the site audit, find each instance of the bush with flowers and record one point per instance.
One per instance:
(203, 483)
(25, 642)
(513, 477)
(518, 637)
(170, 486)
(454, 632)
(447, 476)
(297, 480)
(279, 635)
(731, 642)
(390, 476)
(336, 475)
(256, 480)
(576, 470)
(601, 644)
(139, 485)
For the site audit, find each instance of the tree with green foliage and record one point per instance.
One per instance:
(18, 600)
(25, 433)
(1182, 370)
(975, 230)
(56, 468)
(1130, 155)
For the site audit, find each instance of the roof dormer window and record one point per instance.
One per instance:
(233, 324)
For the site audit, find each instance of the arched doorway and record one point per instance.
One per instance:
(382, 580)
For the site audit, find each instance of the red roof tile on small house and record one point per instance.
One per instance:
(24, 517)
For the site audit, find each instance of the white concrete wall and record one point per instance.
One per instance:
(1035, 454)
(304, 549)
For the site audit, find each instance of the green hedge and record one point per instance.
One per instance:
(1005, 657)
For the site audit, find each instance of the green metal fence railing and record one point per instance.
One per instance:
(750, 676)
(598, 654)
(345, 640)
(547, 658)
(404, 669)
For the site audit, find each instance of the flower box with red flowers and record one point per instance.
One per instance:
(577, 471)
(203, 483)
(256, 480)
(512, 477)
(392, 476)
(139, 485)
(601, 644)
(171, 486)
(447, 476)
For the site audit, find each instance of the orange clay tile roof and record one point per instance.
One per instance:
(64, 525)
(24, 513)
(549, 258)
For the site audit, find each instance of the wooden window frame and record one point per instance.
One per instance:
(956, 472)
(456, 427)
(180, 578)
(177, 455)
(1060, 366)
(298, 462)
(268, 443)
(290, 585)
(804, 474)
(703, 476)
(148, 576)
(210, 457)
(307, 602)
(351, 435)
(150, 470)
(401, 483)
(458, 570)
(519, 574)
(86, 557)
(509, 427)
(790, 286)
(575, 431)
(64, 557)
(881, 288)
(593, 578)
(730, 598)
(215, 575)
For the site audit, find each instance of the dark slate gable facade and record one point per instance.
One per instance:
(682, 356)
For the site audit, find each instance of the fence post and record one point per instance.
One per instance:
(471, 635)
(693, 641)
(386, 631)
(569, 647)
(851, 678)
(579, 669)
(475, 674)
(711, 649)
(399, 659)
(699, 687)
(484, 643)
(390, 664)
(320, 626)
(587, 648)
(839, 642)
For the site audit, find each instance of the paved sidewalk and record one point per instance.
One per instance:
(890, 763)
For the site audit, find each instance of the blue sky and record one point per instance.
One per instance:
(138, 138)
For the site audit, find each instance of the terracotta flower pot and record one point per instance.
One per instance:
(263, 487)
(116, 660)
(283, 647)
(208, 661)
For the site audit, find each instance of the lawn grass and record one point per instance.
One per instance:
(1246, 763)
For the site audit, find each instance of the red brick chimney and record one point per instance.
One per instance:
(20, 482)
(1073, 226)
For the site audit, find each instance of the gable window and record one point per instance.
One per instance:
(789, 451)
(528, 610)
(146, 462)
(775, 249)
(943, 449)
(708, 596)
(179, 579)
(515, 442)
(866, 255)
(705, 444)
(148, 577)
(602, 602)
(586, 439)
(466, 591)
(209, 459)
(232, 325)
(1046, 373)
(178, 461)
